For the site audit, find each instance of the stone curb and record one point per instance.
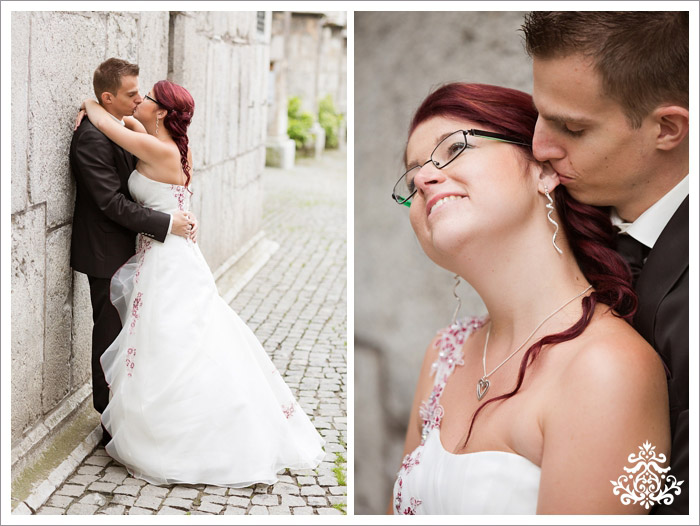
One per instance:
(58, 476)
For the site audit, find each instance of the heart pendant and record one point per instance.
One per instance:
(481, 388)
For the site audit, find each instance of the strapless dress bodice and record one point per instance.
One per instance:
(164, 197)
(434, 481)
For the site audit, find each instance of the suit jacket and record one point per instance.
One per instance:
(106, 219)
(662, 318)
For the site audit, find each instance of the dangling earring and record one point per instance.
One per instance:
(157, 119)
(459, 300)
(550, 207)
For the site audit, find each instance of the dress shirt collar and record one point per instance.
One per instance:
(648, 227)
(119, 121)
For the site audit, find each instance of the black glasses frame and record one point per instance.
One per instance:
(406, 201)
(151, 98)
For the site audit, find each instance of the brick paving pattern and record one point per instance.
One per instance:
(296, 305)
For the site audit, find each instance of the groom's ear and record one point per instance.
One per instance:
(548, 177)
(106, 98)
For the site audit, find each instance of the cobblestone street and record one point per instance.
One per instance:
(296, 305)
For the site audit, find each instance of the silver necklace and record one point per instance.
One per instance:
(483, 384)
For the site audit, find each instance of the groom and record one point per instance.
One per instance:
(106, 219)
(612, 94)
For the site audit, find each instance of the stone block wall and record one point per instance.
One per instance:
(222, 58)
(401, 297)
(316, 49)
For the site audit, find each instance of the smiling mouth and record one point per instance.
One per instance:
(444, 200)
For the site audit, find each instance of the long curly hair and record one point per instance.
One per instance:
(180, 105)
(588, 229)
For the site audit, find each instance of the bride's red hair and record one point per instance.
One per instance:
(588, 229)
(180, 105)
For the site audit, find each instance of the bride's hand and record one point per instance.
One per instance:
(80, 116)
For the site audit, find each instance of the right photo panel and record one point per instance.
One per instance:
(521, 263)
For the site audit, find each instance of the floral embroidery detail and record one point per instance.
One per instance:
(288, 411)
(130, 360)
(414, 502)
(431, 412)
(135, 312)
(144, 245)
(411, 510)
(450, 355)
(179, 193)
(397, 499)
(409, 461)
(450, 343)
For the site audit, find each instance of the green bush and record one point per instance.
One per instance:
(299, 123)
(330, 120)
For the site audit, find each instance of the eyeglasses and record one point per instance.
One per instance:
(444, 153)
(151, 98)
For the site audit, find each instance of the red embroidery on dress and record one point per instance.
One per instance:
(135, 312)
(144, 245)
(411, 510)
(288, 411)
(179, 193)
(408, 510)
(430, 411)
(450, 355)
(130, 360)
(397, 499)
(409, 461)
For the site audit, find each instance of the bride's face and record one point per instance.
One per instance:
(147, 111)
(486, 192)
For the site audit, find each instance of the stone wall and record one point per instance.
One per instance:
(401, 297)
(222, 58)
(316, 49)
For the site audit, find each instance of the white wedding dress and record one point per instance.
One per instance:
(433, 481)
(194, 396)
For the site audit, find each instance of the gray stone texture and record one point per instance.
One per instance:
(81, 331)
(58, 304)
(401, 297)
(28, 292)
(224, 66)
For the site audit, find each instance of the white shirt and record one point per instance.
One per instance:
(648, 227)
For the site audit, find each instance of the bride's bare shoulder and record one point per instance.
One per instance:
(612, 357)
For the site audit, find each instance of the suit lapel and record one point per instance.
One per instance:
(666, 263)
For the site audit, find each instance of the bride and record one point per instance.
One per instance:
(194, 396)
(535, 407)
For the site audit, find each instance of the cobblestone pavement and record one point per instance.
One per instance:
(296, 305)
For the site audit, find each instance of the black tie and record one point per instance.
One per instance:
(634, 252)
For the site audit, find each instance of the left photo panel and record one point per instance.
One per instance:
(178, 263)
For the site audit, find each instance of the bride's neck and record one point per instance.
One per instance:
(522, 283)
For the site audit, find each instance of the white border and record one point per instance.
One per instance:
(5, 244)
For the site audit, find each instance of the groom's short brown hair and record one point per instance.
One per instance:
(108, 75)
(641, 56)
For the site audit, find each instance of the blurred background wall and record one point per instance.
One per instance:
(401, 297)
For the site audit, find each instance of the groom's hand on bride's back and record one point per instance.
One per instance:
(185, 225)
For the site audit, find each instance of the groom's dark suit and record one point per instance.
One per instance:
(663, 319)
(105, 223)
